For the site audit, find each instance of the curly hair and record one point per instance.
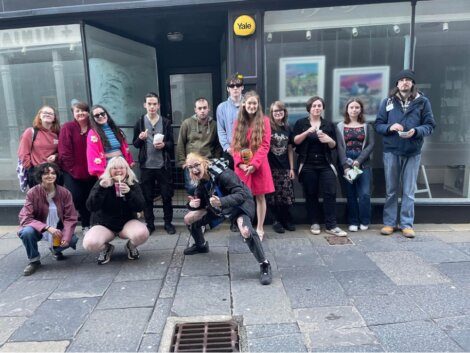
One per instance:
(37, 119)
(43, 168)
(244, 120)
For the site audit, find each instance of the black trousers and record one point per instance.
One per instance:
(80, 189)
(253, 241)
(314, 180)
(162, 176)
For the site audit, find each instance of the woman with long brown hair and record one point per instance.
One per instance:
(251, 142)
(39, 144)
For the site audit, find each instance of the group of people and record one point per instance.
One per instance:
(237, 167)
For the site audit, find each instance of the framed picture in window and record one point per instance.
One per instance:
(301, 78)
(369, 84)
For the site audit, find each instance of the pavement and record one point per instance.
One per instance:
(376, 294)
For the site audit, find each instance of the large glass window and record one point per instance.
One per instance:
(443, 74)
(336, 52)
(39, 65)
(122, 71)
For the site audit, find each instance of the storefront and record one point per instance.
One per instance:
(113, 52)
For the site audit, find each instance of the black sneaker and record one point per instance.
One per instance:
(289, 226)
(278, 228)
(105, 256)
(132, 252)
(58, 256)
(151, 229)
(194, 249)
(265, 275)
(170, 228)
(31, 268)
(234, 228)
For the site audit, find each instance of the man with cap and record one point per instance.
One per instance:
(227, 114)
(403, 119)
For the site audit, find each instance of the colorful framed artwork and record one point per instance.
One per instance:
(370, 84)
(301, 78)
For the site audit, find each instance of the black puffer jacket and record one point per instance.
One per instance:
(234, 195)
(113, 212)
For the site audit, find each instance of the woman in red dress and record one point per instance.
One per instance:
(251, 142)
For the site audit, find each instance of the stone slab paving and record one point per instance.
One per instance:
(377, 294)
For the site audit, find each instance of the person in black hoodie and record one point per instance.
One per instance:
(114, 202)
(220, 194)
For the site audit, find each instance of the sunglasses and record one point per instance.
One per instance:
(97, 116)
(233, 85)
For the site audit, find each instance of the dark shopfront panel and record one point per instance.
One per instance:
(376, 45)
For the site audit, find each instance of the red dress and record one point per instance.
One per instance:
(260, 181)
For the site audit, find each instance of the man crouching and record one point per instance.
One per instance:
(220, 194)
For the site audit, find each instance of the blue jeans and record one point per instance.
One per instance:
(358, 194)
(30, 238)
(188, 185)
(405, 170)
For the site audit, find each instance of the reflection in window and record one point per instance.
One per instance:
(40, 65)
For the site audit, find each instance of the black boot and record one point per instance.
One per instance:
(197, 249)
(278, 228)
(265, 274)
(200, 244)
(286, 219)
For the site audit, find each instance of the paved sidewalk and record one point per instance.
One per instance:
(377, 294)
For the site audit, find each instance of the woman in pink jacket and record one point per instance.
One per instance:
(48, 214)
(104, 141)
(39, 144)
(251, 142)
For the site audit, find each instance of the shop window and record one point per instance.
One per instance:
(38, 65)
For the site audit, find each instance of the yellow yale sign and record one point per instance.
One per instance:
(244, 26)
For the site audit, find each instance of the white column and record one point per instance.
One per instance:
(58, 68)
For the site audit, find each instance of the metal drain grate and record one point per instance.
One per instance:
(205, 337)
(335, 240)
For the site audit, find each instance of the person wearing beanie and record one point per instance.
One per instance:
(403, 120)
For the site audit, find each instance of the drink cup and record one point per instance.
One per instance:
(246, 155)
(55, 241)
(157, 138)
(117, 188)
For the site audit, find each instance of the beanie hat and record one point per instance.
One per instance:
(405, 74)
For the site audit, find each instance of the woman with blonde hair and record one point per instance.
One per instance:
(220, 194)
(251, 142)
(114, 202)
(39, 144)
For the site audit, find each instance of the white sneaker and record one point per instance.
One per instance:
(315, 229)
(363, 227)
(353, 228)
(337, 231)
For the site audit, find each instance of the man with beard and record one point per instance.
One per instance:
(403, 119)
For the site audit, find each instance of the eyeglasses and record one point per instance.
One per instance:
(194, 166)
(47, 113)
(233, 85)
(97, 116)
(278, 111)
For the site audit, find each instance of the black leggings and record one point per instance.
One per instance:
(253, 241)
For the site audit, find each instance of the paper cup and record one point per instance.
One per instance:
(157, 138)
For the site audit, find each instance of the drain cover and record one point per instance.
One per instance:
(205, 337)
(335, 240)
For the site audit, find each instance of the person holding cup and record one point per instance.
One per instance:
(153, 137)
(114, 202)
(48, 214)
(250, 146)
(315, 139)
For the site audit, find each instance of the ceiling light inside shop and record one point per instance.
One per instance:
(175, 36)
(445, 26)
(396, 29)
(354, 32)
(269, 37)
(308, 35)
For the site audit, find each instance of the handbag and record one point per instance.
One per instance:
(21, 171)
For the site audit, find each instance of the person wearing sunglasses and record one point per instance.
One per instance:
(220, 194)
(39, 144)
(227, 113)
(104, 141)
